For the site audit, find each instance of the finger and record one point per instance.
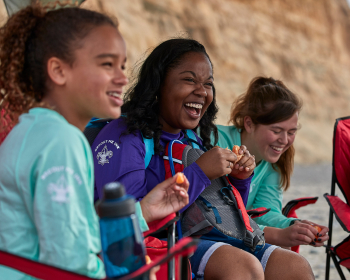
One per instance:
(308, 227)
(242, 149)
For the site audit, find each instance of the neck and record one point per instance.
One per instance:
(247, 141)
(67, 110)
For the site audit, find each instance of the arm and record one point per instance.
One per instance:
(270, 195)
(63, 212)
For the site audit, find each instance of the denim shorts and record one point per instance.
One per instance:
(207, 247)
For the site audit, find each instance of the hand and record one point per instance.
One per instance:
(216, 162)
(245, 166)
(300, 233)
(320, 237)
(165, 198)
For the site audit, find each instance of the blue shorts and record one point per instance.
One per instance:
(207, 247)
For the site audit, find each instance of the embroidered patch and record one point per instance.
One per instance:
(102, 156)
(60, 190)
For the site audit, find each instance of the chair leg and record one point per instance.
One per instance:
(328, 261)
(171, 243)
(336, 263)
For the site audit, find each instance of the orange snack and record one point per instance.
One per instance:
(147, 259)
(235, 149)
(317, 228)
(180, 178)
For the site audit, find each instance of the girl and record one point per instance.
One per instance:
(175, 92)
(265, 120)
(64, 66)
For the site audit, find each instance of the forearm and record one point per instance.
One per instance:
(198, 182)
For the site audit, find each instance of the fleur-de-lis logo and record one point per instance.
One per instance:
(60, 190)
(102, 156)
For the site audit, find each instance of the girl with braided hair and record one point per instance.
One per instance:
(59, 69)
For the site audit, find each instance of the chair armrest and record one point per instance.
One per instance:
(340, 209)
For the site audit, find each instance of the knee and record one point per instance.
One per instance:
(229, 262)
(301, 267)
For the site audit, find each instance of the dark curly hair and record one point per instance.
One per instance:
(28, 39)
(141, 106)
(268, 101)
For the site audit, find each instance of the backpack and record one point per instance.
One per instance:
(218, 214)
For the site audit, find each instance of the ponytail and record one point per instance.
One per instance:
(16, 96)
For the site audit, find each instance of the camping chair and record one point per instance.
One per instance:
(181, 249)
(340, 253)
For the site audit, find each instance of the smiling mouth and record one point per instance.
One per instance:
(276, 149)
(114, 94)
(194, 108)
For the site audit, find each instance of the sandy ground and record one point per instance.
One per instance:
(315, 180)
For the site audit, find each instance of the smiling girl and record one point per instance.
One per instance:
(174, 92)
(265, 120)
(58, 70)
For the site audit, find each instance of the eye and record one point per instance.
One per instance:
(276, 131)
(209, 85)
(107, 64)
(291, 133)
(189, 80)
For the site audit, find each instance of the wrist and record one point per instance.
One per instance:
(145, 212)
(272, 235)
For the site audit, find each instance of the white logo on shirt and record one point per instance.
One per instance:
(102, 156)
(60, 190)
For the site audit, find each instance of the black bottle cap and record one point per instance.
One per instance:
(115, 203)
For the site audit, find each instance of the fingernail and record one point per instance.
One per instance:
(313, 243)
(319, 234)
(319, 239)
(315, 239)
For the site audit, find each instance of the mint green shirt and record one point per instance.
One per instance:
(46, 196)
(265, 190)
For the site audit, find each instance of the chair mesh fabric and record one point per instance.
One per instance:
(232, 221)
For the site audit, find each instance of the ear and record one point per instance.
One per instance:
(248, 124)
(56, 70)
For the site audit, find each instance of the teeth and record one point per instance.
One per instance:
(194, 105)
(277, 149)
(114, 94)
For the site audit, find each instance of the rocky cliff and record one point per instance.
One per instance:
(306, 43)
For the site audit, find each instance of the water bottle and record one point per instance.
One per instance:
(123, 249)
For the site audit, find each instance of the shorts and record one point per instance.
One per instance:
(207, 247)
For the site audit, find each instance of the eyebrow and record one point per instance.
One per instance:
(194, 74)
(278, 127)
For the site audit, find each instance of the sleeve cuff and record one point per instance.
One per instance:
(142, 221)
(200, 173)
(241, 183)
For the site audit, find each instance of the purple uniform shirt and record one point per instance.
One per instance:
(120, 158)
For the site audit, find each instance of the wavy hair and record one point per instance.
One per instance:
(27, 40)
(141, 100)
(268, 101)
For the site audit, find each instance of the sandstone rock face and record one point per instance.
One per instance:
(305, 43)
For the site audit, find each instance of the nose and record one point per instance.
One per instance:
(284, 138)
(200, 90)
(120, 78)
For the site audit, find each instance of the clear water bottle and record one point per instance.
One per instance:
(123, 249)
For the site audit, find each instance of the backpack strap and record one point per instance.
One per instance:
(149, 145)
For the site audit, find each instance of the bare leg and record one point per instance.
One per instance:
(287, 265)
(228, 262)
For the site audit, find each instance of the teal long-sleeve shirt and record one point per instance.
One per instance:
(265, 190)
(46, 196)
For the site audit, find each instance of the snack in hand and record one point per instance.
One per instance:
(180, 178)
(235, 149)
(147, 259)
(317, 228)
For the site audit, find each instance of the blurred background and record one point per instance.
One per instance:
(305, 43)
